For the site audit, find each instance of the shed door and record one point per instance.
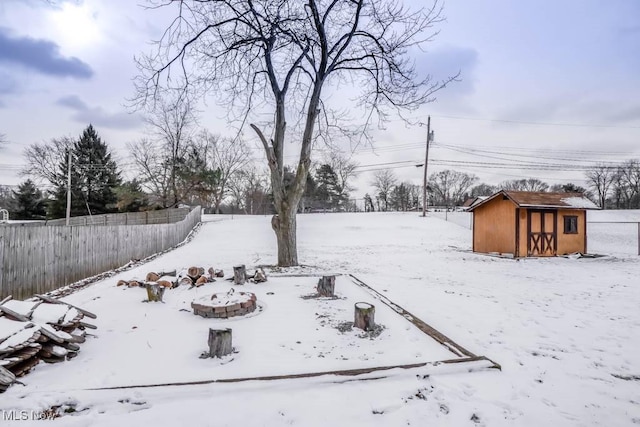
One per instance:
(542, 233)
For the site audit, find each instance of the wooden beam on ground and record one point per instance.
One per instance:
(57, 301)
(420, 324)
(8, 312)
(345, 372)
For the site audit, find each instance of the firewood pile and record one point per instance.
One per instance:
(42, 329)
(191, 277)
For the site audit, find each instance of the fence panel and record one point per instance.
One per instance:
(165, 216)
(41, 259)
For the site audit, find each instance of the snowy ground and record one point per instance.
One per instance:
(564, 330)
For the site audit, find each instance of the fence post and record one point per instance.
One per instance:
(639, 239)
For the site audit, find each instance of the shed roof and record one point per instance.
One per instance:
(473, 201)
(543, 200)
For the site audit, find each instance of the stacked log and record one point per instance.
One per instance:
(43, 329)
(192, 276)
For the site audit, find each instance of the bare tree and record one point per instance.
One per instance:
(228, 157)
(450, 187)
(43, 159)
(600, 180)
(626, 183)
(528, 184)
(152, 170)
(483, 189)
(249, 190)
(172, 121)
(345, 170)
(279, 56)
(384, 181)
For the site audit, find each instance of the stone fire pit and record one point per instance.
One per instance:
(225, 305)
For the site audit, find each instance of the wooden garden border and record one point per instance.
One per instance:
(465, 355)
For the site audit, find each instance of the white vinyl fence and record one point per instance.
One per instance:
(38, 259)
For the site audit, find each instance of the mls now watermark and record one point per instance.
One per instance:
(24, 415)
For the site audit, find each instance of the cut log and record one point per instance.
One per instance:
(195, 272)
(260, 276)
(239, 274)
(154, 292)
(185, 281)
(202, 280)
(364, 316)
(122, 283)
(220, 342)
(152, 277)
(165, 283)
(167, 273)
(326, 286)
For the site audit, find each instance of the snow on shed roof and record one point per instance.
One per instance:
(539, 199)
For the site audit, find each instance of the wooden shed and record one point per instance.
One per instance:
(531, 224)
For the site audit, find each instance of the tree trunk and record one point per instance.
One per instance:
(326, 286)
(364, 316)
(220, 342)
(285, 229)
(239, 274)
(154, 292)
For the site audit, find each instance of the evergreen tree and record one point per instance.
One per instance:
(131, 198)
(29, 202)
(94, 178)
(328, 192)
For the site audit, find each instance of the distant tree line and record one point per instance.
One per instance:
(448, 188)
(176, 164)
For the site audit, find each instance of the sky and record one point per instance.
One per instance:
(542, 85)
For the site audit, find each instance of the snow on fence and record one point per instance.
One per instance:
(165, 216)
(36, 260)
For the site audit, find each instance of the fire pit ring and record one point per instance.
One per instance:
(225, 305)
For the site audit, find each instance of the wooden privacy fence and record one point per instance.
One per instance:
(41, 259)
(165, 216)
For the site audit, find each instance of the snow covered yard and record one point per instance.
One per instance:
(565, 332)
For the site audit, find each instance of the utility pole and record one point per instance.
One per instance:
(426, 163)
(69, 187)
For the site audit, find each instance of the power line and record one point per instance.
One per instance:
(534, 123)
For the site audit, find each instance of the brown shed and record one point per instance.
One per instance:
(527, 224)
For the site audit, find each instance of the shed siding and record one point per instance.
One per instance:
(524, 233)
(570, 243)
(494, 227)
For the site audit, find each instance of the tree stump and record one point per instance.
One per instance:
(239, 274)
(326, 286)
(364, 316)
(219, 342)
(154, 292)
